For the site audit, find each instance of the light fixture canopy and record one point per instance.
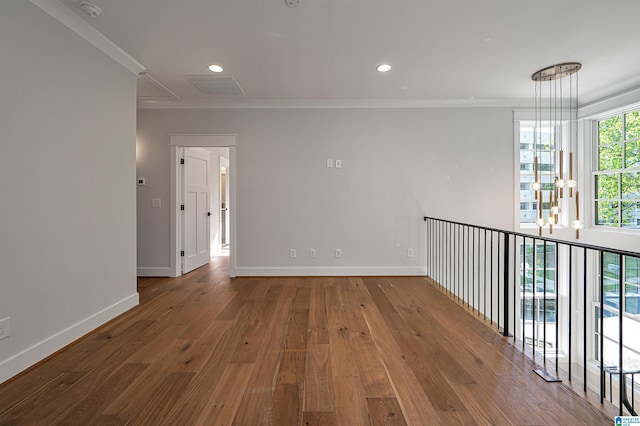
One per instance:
(215, 68)
(383, 68)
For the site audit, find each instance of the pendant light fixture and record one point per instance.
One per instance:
(560, 112)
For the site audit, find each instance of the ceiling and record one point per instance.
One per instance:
(442, 51)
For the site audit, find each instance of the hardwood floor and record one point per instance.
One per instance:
(204, 349)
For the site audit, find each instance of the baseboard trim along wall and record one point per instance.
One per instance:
(160, 271)
(331, 272)
(43, 349)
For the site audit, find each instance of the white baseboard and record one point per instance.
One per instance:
(331, 272)
(160, 271)
(25, 359)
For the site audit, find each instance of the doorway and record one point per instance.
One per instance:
(219, 226)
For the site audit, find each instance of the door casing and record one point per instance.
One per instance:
(193, 140)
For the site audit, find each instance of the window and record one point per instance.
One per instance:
(616, 269)
(617, 179)
(538, 301)
(528, 149)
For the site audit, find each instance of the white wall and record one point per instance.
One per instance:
(67, 186)
(398, 165)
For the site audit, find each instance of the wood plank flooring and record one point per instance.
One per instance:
(206, 350)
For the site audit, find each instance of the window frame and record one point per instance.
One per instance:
(529, 117)
(595, 171)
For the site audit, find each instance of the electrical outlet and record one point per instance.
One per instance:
(338, 253)
(4, 328)
(312, 252)
(409, 252)
(338, 164)
(292, 253)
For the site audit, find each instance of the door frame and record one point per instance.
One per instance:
(176, 143)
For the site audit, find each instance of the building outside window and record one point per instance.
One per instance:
(538, 295)
(617, 175)
(528, 150)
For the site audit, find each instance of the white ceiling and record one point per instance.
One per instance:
(442, 51)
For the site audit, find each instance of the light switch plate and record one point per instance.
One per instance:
(338, 164)
(330, 163)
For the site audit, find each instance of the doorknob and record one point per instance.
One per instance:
(208, 213)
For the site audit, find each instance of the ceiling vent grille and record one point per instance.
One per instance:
(222, 84)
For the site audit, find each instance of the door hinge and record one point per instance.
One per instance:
(182, 161)
(181, 253)
(181, 206)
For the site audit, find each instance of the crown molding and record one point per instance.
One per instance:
(334, 103)
(615, 102)
(69, 19)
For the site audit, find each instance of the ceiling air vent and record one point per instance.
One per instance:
(221, 84)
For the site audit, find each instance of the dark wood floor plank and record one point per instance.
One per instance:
(415, 404)
(319, 418)
(481, 404)
(318, 383)
(97, 399)
(318, 322)
(385, 412)
(254, 335)
(294, 353)
(255, 406)
(286, 407)
(350, 401)
(163, 399)
(373, 373)
(431, 379)
(44, 396)
(224, 400)
(344, 362)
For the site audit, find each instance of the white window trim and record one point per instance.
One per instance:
(518, 117)
(591, 125)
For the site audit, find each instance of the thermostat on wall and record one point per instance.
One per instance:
(142, 181)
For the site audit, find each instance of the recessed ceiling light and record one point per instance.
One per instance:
(215, 68)
(383, 67)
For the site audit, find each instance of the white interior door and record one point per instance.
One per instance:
(196, 181)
